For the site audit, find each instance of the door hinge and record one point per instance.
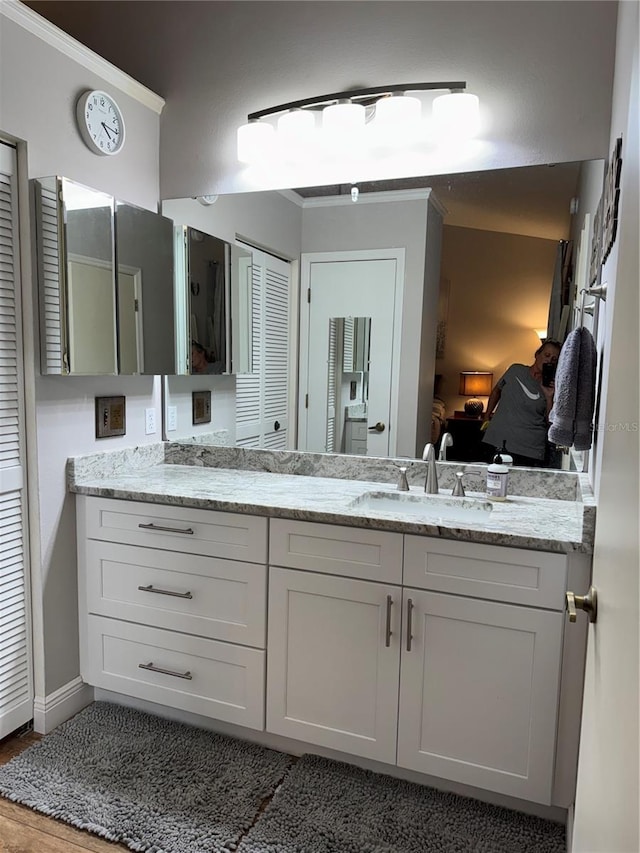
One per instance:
(136, 305)
(309, 295)
(306, 401)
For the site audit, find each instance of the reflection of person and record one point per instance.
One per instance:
(199, 361)
(521, 420)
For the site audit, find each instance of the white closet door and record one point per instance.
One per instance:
(262, 417)
(16, 686)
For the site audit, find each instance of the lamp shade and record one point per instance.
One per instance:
(475, 384)
(255, 140)
(456, 116)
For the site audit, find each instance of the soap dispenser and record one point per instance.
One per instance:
(507, 459)
(497, 478)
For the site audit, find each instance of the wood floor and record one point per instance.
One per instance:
(25, 831)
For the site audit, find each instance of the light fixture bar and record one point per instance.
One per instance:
(354, 94)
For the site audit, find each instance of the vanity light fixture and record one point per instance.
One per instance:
(382, 116)
(476, 384)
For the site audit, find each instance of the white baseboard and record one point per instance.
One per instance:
(51, 710)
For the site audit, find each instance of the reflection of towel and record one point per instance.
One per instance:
(575, 386)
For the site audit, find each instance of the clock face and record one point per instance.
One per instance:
(100, 122)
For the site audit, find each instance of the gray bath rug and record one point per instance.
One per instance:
(151, 784)
(325, 806)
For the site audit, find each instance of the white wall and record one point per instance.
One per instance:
(39, 86)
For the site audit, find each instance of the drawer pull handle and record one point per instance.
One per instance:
(151, 588)
(161, 529)
(388, 632)
(153, 668)
(409, 615)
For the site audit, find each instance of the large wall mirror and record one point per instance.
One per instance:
(105, 275)
(499, 254)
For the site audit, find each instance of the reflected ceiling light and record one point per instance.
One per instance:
(394, 116)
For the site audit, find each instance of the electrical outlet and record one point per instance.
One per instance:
(150, 421)
(172, 418)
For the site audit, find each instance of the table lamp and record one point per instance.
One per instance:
(475, 384)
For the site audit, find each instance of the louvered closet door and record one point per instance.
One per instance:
(262, 417)
(16, 690)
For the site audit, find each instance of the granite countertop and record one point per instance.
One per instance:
(546, 524)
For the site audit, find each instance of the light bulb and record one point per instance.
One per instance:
(397, 110)
(456, 116)
(255, 141)
(343, 117)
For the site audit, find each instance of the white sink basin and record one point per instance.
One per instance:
(430, 508)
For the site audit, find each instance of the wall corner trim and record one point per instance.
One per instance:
(70, 47)
(51, 710)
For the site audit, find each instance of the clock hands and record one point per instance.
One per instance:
(109, 130)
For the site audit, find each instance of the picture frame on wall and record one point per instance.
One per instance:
(443, 314)
(611, 200)
(595, 258)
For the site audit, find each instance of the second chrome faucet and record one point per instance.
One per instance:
(431, 480)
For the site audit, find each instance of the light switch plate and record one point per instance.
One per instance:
(111, 416)
(172, 418)
(149, 421)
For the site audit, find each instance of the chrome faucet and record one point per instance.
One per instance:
(431, 480)
(445, 441)
(403, 483)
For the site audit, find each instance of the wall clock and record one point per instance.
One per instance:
(100, 122)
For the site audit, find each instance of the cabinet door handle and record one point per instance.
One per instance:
(388, 632)
(409, 615)
(158, 527)
(151, 588)
(153, 668)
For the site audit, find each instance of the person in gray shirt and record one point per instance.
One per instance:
(521, 420)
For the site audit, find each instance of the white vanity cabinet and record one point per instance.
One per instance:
(173, 606)
(334, 640)
(480, 674)
(474, 655)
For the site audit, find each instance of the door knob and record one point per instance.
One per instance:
(379, 427)
(588, 603)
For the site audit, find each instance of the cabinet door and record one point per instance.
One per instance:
(333, 667)
(479, 692)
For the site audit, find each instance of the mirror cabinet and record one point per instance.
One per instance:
(214, 304)
(106, 283)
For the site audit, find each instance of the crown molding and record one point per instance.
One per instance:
(368, 198)
(70, 47)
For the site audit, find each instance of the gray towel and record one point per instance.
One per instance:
(586, 399)
(574, 399)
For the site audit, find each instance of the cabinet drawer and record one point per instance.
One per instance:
(366, 554)
(173, 528)
(217, 680)
(220, 599)
(532, 578)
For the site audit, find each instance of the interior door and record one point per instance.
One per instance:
(16, 685)
(353, 287)
(262, 397)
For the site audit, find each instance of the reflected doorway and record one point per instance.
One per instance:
(359, 295)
